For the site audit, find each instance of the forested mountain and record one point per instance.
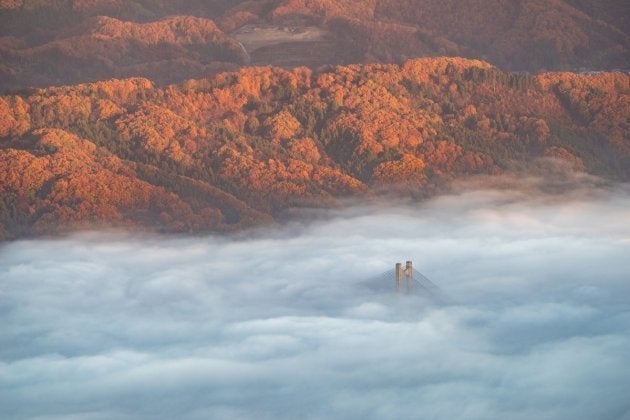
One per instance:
(44, 43)
(163, 116)
(241, 148)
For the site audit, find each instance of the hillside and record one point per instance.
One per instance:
(75, 41)
(612, 12)
(242, 148)
(515, 35)
(101, 47)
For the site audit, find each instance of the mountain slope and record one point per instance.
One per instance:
(75, 41)
(516, 35)
(103, 47)
(244, 147)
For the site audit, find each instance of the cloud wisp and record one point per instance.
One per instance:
(281, 325)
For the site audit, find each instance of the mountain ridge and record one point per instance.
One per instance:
(52, 43)
(241, 148)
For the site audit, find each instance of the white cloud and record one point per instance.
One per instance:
(536, 322)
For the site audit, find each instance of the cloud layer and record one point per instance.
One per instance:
(284, 324)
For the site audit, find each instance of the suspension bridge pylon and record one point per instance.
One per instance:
(404, 277)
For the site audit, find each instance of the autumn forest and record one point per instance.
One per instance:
(161, 116)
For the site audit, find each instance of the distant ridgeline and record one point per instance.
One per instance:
(44, 43)
(244, 148)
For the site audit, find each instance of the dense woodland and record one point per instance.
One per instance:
(244, 147)
(44, 43)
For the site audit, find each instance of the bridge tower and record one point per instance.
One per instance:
(404, 276)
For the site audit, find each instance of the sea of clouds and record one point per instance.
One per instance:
(533, 321)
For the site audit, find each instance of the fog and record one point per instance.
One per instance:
(533, 323)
